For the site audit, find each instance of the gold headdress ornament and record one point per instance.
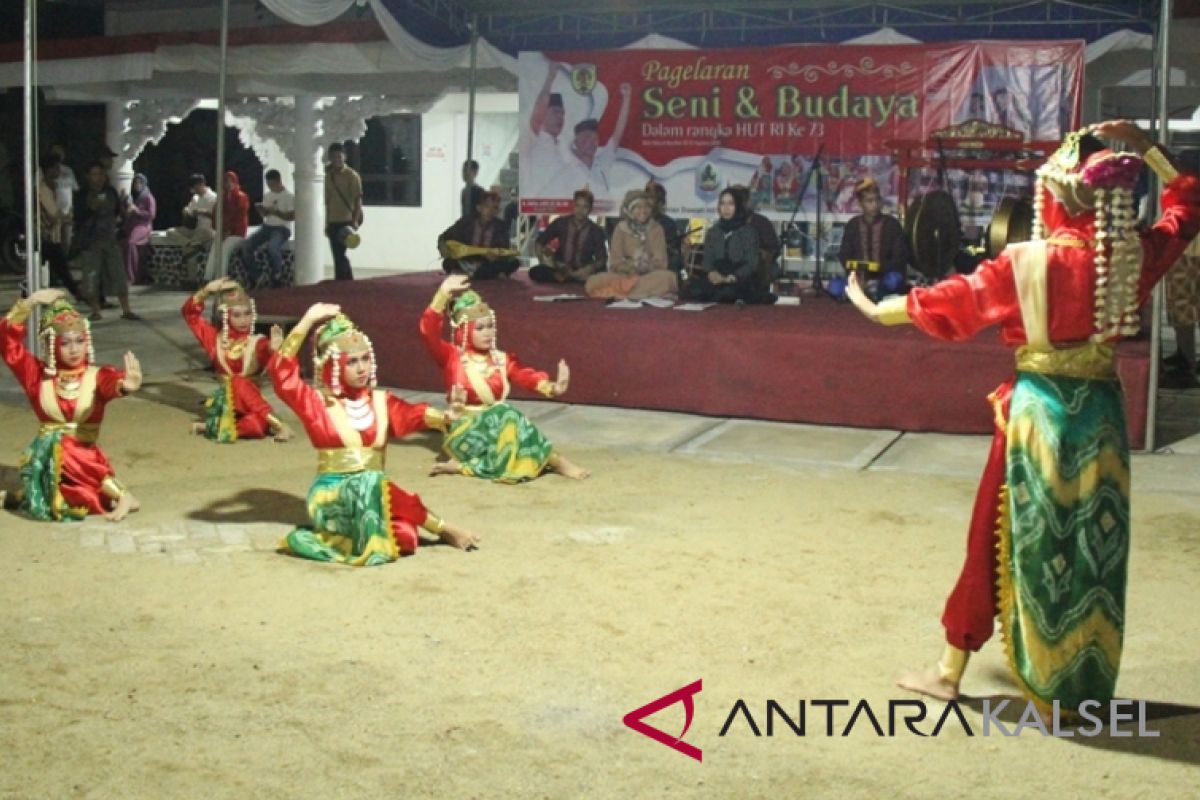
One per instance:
(58, 318)
(333, 338)
(1103, 182)
(234, 297)
(469, 307)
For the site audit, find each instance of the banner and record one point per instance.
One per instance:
(700, 120)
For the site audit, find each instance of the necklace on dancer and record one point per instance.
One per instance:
(360, 412)
(66, 385)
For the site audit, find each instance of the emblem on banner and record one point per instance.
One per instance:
(583, 78)
(708, 179)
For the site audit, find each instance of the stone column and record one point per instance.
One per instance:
(309, 180)
(116, 118)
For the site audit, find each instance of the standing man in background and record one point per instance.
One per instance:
(343, 208)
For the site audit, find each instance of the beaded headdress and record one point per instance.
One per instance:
(1100, 182)
(333, 339)
(468, 307)
(234, 297)
(58, 318)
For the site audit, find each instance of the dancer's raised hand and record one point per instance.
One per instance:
(456, 283)
(458, 404)
(133, 374)
(276, 338)
(44, 297)
(564, 378)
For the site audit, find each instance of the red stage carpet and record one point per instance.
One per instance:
(820, 363)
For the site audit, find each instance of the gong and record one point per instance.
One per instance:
(934, 233)
(1012, 222)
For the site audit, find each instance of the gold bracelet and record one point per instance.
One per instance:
(953, 664)
(19, 313)
(292, 344)
(112, 488)
(1158, 161)
(433, 523)
(274, 423)
(435, 419)
(892, 311)
(545, 388)
(440, 300)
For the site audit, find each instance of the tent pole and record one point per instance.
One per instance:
(216, 256)
(1162, 100)
(32, 265)
(471, 92)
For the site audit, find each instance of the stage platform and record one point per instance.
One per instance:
(820, 363)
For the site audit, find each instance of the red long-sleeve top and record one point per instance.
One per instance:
(450, 359)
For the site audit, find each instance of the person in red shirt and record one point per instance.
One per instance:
(64, 473)
(1048, 546)
(359, 517)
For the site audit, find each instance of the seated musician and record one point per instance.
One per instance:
(873, 243)
(572, 247)
(768, 237)
(483, 236)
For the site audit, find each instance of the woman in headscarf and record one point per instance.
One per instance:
(138, 211)
(637, 258)
(64, 473)
(359, 517)
(731, 271)
(235, 214)
(1048, 544)
(237, 409)
(492, 440)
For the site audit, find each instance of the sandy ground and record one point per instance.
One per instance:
(506, 672)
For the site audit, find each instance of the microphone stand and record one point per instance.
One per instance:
(815, 167)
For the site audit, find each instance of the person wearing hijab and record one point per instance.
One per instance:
(235, 220)
(492, 439)
(64, 473)
(731, 271)
(637, 261)
(138, 209)
(1049, 539)
(359, 516)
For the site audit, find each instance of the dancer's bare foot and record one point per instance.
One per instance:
(458, 537)
(450, 467)
(198, 428)
(568, 469)
(124, 507)
(283, 434)
(929, 682)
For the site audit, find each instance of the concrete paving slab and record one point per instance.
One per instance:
(1176, 474)
(936, 454)
(804, 445)
(598, 426)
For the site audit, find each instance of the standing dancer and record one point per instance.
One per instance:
(359, 516)
(236, 410)
(64, 473)
(492, 440)
(1049, 539)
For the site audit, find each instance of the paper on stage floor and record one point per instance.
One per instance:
(694, 306)
(558, 298)
(624, 304)
(659, 302)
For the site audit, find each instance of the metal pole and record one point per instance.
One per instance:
(471, 92)
(32, 260)
(218, 268)
(1164, 92)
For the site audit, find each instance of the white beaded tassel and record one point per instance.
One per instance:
(224, 327)
(374, 379)
(335, 371)
(1039, 231)
(87, 330)
(51, 358)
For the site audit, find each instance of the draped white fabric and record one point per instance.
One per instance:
(308, 12)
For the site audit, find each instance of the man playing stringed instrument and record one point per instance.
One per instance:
(478, 244)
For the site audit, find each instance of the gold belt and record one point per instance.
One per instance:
(1090, 361)
(84, 432)
(350, 459)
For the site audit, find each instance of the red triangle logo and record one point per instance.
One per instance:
(683, 695)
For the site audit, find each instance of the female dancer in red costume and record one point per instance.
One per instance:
(359, 516)
(493, 440)
(64, 473)
(236, 410)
